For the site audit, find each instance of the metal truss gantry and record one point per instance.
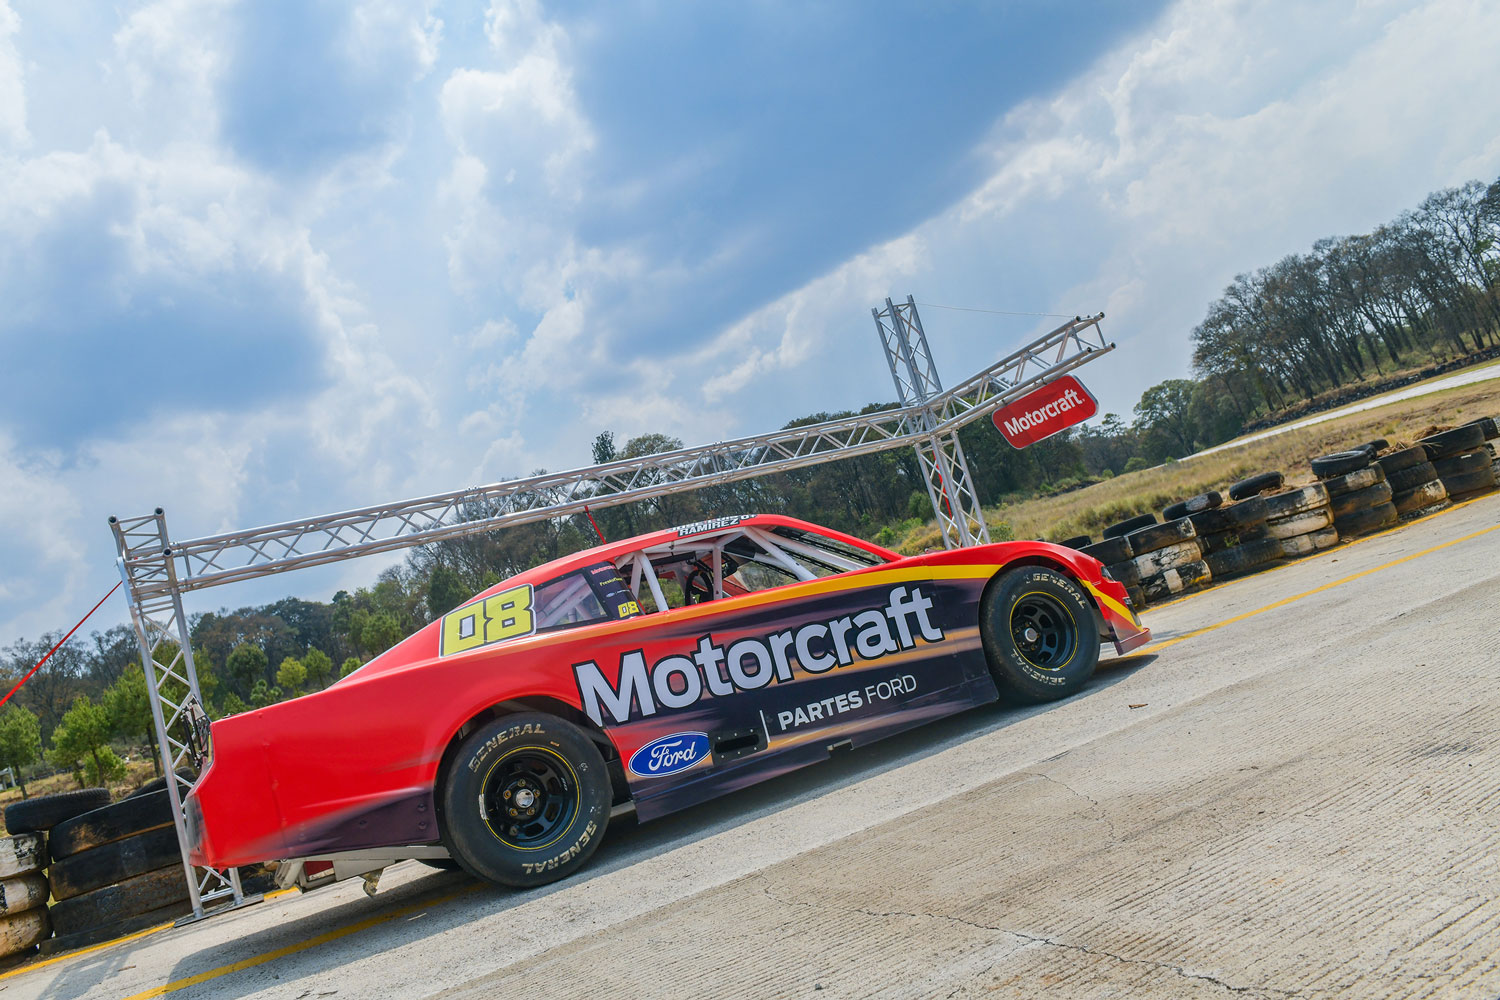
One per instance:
(944, 471)
(157, 571)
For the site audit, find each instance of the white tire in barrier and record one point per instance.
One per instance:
(1313, 541)
(19, 931)
(1292, 502)
(23, 892)
(1302, 523)
(24, 852)
(1178, 554)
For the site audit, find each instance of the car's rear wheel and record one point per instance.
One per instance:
(1040, 635)
(526, 801)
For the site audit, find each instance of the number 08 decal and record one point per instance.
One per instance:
(501, 616)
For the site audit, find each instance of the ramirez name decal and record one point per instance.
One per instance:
(678, 681)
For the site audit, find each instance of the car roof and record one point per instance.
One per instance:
(613, 551)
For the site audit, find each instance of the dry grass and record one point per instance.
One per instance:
(1088, 511)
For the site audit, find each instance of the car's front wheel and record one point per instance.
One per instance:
(1039, 633)
(526, 800)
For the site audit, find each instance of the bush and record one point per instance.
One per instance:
(1136, 464)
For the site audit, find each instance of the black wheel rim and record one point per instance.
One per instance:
(1044, 631)
(530, 798)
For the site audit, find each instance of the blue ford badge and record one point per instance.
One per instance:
(669, 754)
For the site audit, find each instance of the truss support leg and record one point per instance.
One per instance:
(164, 637)
(949, 485)
(951, 490)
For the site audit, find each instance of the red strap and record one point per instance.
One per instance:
(54, 649)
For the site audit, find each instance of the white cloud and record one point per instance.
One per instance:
(12, 82)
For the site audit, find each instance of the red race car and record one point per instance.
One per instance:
(656, 673)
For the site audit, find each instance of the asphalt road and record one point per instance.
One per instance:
(1454, 381)
(1293, 791)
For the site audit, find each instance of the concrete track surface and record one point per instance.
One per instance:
(1294, 792)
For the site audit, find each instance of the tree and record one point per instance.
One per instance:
(1163, 410)
(350, 665)
(20, 740)
(231, 705)
(263, 694)
(380, 633)
(82, 739)
(128, 704)
(445, 590)
(319, 667)
(246, 665)
(291, 675)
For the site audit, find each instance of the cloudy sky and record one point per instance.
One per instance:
(272, 259)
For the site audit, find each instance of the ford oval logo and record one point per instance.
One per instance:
(669, 754)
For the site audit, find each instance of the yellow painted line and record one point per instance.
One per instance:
(1158, 646)
(292, 949)
(78, 952)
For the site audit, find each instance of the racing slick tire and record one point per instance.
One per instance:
(1370, 496)
(1124, 572)
(110, 904)
(1110, 551)
(1468, 484)
(1192, 505)
(1403, 459)
(1245, 558)
(1310, 542)
(1223, 541)
(1293, 502)
(1487, 427)
(42, 813)
(1040, 634)
(21, 931)
(1128, 525)
(1411, 477)
(1464, 463)
(1415, 501)
(1252, 486)
(1173, 511)
(1175, 580)
(1159, 536)
(22, 853)
(130, 816)
(1362, 522)
(544, 782)
(1340, 463)
(100, 866)
(1240, 516)
(1449, 443)
(1360, 479)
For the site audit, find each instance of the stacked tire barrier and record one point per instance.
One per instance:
(25, 921)
(115, 869)
(1359, 495)
(1464, 465)
(1368, 488)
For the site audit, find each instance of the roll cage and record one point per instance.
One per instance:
(737, 560)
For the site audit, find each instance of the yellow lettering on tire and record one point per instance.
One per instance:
(501, 616)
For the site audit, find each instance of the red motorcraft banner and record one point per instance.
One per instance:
(1054, 407)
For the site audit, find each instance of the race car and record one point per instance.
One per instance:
(651, 673)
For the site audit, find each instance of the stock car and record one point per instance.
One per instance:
(651, 673)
